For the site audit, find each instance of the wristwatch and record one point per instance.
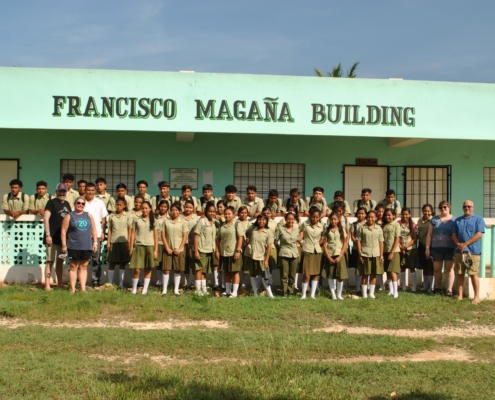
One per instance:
(238, 251)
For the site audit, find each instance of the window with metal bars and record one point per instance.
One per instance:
(489, 192)
(266, 176)
(114, 172)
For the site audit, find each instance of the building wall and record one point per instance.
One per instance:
(40, 152)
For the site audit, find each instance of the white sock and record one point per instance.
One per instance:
(258, 279)
(431, 281)
(372, 291)
(390, 287)
(396, 289)
(331, 283)
(228, 287)
(215, 277)
(268, 288)
(166, 277)
(186, 279)
(223, 279)
(379, 282)
(254, 284)
(121, 277)
(159, 278)
(110, 276)
(295, 281)
(235, 288)
(357, 281)
(413, 281)
(198, 287)
(314, 286)
(145, 285)
(203, 286)
(364, 290)
(176, 282)
(134, 285)
(340, 285)
(403, 280)
(304, 287)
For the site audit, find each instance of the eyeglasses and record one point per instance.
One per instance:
(467, 206)
(80, 203)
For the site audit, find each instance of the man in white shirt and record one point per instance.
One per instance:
(98, 211)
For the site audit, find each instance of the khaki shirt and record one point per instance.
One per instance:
(144, 236)
(345, 224)
(390, 233)
(395, 205)
(287, 241)
(201, 207)
(133, 216)
(321, 205)
(370, 240)
(369, 205)
(15, 203)
(301, 205)
(207, 233)
(276, 207)
(405, 234)
(174, 231)
(107, 200)
(160, 221)
(191, 223)
(259, 240)
(334, 241)
(422, 230)
(146, 196)
(312, 236)
(253, 206)
(347, 207)
(182, 201)
(236, 202)
(228, 235)
(154, 203)
(37, 203)
(128, 199)
(117, 225)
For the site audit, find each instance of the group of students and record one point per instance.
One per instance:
(191, 236)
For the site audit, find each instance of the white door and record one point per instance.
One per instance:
(358, 178)
(8, 171)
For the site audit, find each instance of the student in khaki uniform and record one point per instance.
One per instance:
(275, 203)
(390, 202)
(380, 210)
(142, 188)
(219, 221)
(335, 247)
(408, 250)
(15, 203)
(253, 203)
(370, 250)
(391, 251)
(426, 264)
(187, 195)
(354, 256)
(164, 188)
(81, 187)
(205, 199)
(339, 209)
(229, 239)
(286, 242)
(272, 225)
(163, 208)
(118, 240)
(365, 201)
(138, 207)
(296, 201)
(311, 232)
(37, 202)
(174, 236)
(242, 215)
(230, 197)
(72, 195)
(121, 190)
(318, 201)
(103, 195)
(259, 239)
(205, 234)
(144, 251)
(191, 220)
(339, 196)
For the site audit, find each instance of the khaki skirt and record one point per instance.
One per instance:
(159, 258)
(392, 265)
(311, 263)
(228, 264)
(423, 262)
(119, 253)
(371, 266)
(255, 267)
(334, 271)
(173, 262)
(205, 263)
(142, 257)
(410, 259)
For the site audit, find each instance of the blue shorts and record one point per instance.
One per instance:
(442, 255)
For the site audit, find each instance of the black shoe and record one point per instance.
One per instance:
(216, 287)
(140, 284)
(95, 283)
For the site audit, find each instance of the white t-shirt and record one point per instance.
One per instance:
(98, 211)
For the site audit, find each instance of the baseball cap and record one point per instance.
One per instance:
(62, 186)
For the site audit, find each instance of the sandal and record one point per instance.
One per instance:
(448, 293)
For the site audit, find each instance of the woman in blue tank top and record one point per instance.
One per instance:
(79, 242)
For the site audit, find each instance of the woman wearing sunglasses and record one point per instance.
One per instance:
(440, 246)
(79, 242)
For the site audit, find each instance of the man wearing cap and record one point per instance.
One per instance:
(55, 211)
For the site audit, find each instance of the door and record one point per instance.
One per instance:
(357, 178)
(9, 169)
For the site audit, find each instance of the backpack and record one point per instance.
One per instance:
(25, 197)
(288, 203)
(373, 206)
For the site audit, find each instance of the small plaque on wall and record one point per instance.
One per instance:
(183, 176)
(366, 161)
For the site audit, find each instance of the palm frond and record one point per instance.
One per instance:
(352, 72)
(318, 73)
(336, 71)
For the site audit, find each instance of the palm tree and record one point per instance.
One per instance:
(337, 72)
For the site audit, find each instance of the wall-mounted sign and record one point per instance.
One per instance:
(183, 176)
(366, 161)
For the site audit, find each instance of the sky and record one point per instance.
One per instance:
(421, 40)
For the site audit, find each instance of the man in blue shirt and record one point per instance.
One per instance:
(466, 234)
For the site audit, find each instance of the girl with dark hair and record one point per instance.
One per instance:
(426, 264)
(162, 214)
(242, 215)
(144, 251)
(286, 240)
(117, 242)
(205, 234)
(219, 221)
(191, 221)
(408, 250)
(380, 210)
(353, 259)
(391, 250)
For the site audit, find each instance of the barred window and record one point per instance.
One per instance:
(266, 176)
(489, 192)
(114, 172)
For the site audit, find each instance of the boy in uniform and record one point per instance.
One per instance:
(253, 203)
(391, 202)
(81, 187)
(142, 187)
(121, 190)
(205, 199)
(274, 203)
(339, 197)
(296, 201)
(72, 195)
(187, 195)
(230, 197)
(15, 203)
(164, 188)
(365, 201)
(318, 201)
(37, 202)
(101, 188)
